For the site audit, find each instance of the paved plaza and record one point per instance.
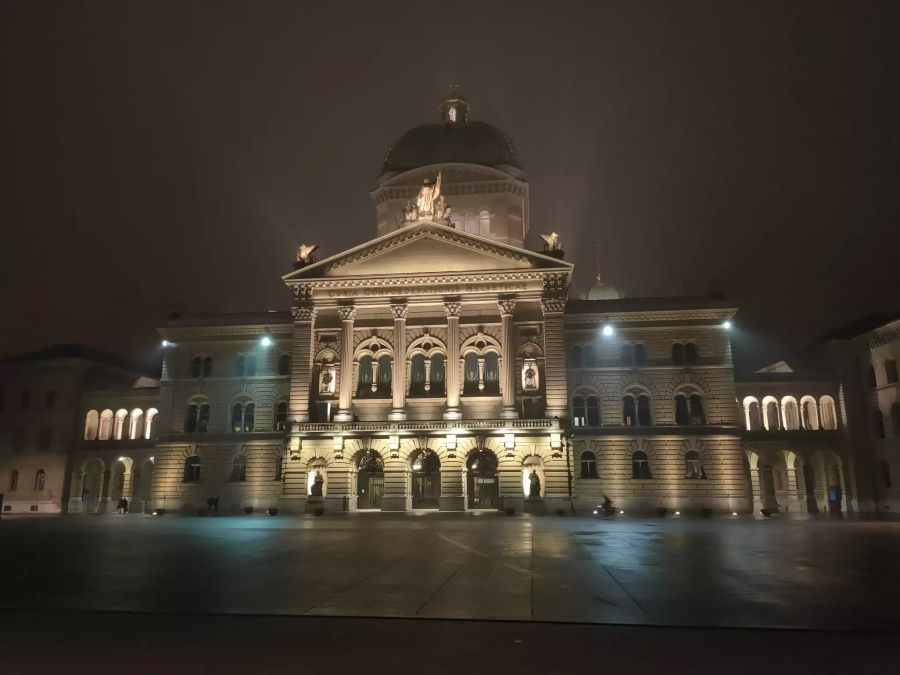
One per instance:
(722, 572)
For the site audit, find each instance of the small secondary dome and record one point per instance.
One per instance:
(601, 291)
(456, 140)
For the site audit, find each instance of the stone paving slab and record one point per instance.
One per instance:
(728, 572)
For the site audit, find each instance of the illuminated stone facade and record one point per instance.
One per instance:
(441, 365)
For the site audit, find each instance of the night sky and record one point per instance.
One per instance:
(163, 152)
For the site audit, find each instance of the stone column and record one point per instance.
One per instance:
(554, 357)
(347, 314)
(792, 489)
(747, 416)
(451, 367)
(508, 367)
(301, 362)
(398, 383)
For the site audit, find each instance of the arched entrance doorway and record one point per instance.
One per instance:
(142, 481)
(426, 480)
(92, 486)
(370, 481)
(482, 486)
(809, 487)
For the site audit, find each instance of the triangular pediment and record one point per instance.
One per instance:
(427, 248)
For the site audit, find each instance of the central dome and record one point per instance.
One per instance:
(456, 140)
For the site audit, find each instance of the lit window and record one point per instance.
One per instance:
(693, 467)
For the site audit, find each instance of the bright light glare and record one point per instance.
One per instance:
(166, 343)
(266, 341)
(734, 513)
(607, 330)
(621, 512)
(678, 513)
(726, 325)
(121, 459)
(595, 513)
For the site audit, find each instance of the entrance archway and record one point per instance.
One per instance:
(370, 481)
(92, 485)
(426, 480)
(142, 481)
(482, 486)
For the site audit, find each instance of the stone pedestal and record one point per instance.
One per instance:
(313, 503)
(338, 503)
(535, 506)
(517, 503)
(291, 505)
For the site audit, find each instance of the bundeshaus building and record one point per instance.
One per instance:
(442, 365)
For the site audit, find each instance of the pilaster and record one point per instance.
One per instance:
(398, 384)
(554, 357)
(452, 366)
(347, 314)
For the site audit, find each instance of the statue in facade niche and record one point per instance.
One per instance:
(534, 487)
(318, 483)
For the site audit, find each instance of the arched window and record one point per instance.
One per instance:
(51, 397)
(491, 373)
(754, 419)
(135, 423)
(239, 468)
(242, 416)
(640, 355)
(590, 357)
(682, 413)
(890, 371)
(197, 418)
(627, 355)
(484, 223)
(829, 416)
(588, 465)
(809, 413)
(886, 474)
(148, 422)
(593, 411)
(640, 465)
(689, 409)
(417, 375)
(772, 419)
(40, 479)
(106, 425)
(365, 381)
(579, 412)
(895, 419)
(877, 424)
(207, 366)
(91, 425)
(438, 375)
(643, 411)
(384, 375)
(470, 374)
(678, 354)
(791, 415)
(281, 412)
(191, 469)
(691, 355)
(119, 424)
(698, 413)
(693, 467)
(13, 480)
(575, 357)
(284, 364)
(629, 417)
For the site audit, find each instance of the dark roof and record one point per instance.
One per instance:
(646, 304)
(465, 142)
(66, 351)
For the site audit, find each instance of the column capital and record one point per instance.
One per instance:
(347, 312)
(507, 306)
(453, 308)
(304, 313)
(399, 310)
(553, 305)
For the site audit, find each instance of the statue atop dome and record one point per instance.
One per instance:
(429, 202)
